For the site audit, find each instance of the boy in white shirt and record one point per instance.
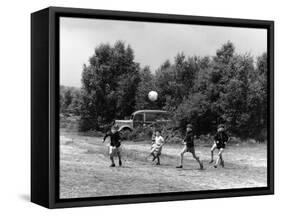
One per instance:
(156, 147)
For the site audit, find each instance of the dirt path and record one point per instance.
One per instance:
(85, 170)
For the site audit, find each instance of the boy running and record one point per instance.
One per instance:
(156, 147)
(115, 143)
(188, 143)
(220, 140)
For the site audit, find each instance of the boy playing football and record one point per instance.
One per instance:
(156, 147)
(220, 140)
(188, 143)
(115, 143)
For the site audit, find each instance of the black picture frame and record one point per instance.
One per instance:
(45, 106)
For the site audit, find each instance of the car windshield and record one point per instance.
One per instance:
(156, 116)
(138, 117)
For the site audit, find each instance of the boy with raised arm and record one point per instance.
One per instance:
(115, 143)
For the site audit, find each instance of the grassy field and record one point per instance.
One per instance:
(85, 171)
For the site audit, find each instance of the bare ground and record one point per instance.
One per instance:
(85, 171)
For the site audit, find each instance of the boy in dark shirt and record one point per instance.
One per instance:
(188, 143)
(115, 143)
(220, 140)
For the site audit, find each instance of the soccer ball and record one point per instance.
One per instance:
(153, 95)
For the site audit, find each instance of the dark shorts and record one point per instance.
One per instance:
(117, 145)
(190, 149)
(114, 151)
(220, 146)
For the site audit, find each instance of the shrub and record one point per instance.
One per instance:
(69, 123)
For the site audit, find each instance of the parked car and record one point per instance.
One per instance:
(144, 118)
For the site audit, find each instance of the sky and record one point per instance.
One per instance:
(153, 43)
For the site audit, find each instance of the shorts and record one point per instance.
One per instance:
(156, 149)
(113, 151)
(190, 149)
(219, 146)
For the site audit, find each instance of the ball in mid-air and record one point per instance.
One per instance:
(153, 95)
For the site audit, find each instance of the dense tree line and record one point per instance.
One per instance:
(70, 100)
(228, 88)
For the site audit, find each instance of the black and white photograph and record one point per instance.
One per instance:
(151, 107)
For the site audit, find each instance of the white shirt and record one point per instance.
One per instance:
(159, 140)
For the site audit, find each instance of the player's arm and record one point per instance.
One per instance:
(162, 141)
(184, 140)
(105, 136)
(118, 137)
(216, 138)
(226, 138)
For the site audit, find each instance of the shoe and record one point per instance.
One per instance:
(120, 163)
(201, 166)
(157, 163)
(112, 165)
(211, 161)
(215, 166)
(179, 167)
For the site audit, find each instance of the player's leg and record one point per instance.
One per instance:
(219, 157)
(212, 152)
(183, 151)
(192, 151)
(153, 155)
(222, 161)
(111, 154)
(153, 148)
(118, 151)
(152, 152)
(157, 153)
(158, 159)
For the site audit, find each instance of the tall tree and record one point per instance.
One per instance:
(257, 99)
(109, 84)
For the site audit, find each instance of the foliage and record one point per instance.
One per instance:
(227, 88)
(70, 99)
(108, 85)
(146, 84)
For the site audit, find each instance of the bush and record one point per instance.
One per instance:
(126, 134)
(140, 134)
(93, 133)
(70, 123)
